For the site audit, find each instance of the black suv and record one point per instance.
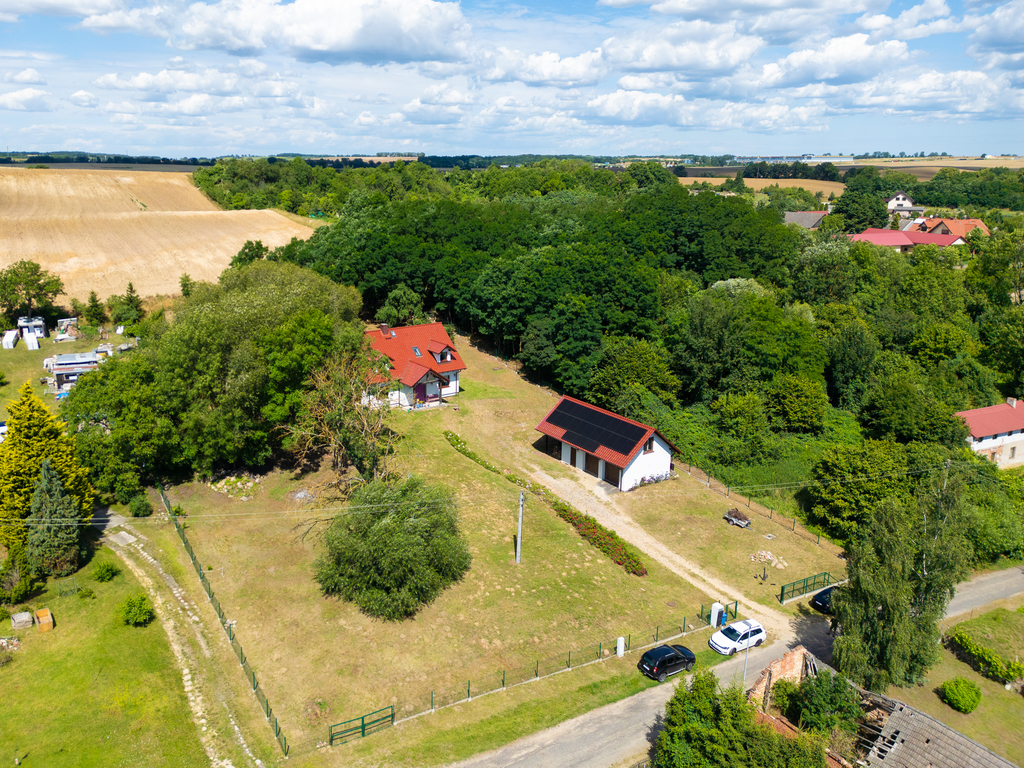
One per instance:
(658, 663)
(823, 601)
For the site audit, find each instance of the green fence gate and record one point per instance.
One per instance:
(361, 726)
(803, 586)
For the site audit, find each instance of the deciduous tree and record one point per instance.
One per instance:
(345, 413)
(396, 548)
(26, 287)
(903, 567)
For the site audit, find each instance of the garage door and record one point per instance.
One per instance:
(592, 464)
(612, 474)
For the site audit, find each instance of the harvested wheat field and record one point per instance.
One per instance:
(825, 187)
(100, 230)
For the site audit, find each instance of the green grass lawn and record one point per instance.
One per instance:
(688, 519)
(996, 723)
(1000, 630)
(565, 598)
(93, 691)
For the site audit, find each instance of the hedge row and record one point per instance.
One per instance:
(985, 660)
(592, 531)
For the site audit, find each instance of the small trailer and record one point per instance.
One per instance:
(735, 517)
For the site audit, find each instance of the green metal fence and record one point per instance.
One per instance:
(359, 727)
(730, 612)
(250, 673)
(803, 586)
(453, 691)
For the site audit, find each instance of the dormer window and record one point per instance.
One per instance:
(416, 351)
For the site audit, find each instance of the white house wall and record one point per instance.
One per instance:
(657, 463)
(999, 448)
(453, 385)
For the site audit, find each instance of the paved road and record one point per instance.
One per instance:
(986, 589)
(617, 732)
(620, 731)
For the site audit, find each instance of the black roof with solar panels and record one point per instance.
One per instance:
(606, 445)
(591, 429)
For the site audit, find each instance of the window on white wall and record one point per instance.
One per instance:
(649, 445)
(1013, 452)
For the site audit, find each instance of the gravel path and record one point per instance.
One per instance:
(780, 626)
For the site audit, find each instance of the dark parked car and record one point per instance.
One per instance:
(658, 663)
(823, 601)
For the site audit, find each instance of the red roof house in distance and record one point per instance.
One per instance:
(939, 226)
(997, 432)
(615, 449)
(424, 363)
(904, 241)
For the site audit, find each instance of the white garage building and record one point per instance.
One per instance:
(615, 449)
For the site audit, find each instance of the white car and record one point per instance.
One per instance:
(737, 637)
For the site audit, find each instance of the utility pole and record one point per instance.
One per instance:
(519, 536)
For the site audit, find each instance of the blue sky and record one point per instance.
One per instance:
(177, 78)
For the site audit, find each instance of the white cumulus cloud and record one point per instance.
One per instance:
(173, 80)
(688, 47)
(84, 99)
(546, 68)
(371, 31)
(841, 59)
(25, 77)
(25, 100)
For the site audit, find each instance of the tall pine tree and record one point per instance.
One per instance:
(95, 313)
(35, 434)
(55, 526)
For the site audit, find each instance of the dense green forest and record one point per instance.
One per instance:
(769, 355)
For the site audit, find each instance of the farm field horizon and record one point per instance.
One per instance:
(101, 229)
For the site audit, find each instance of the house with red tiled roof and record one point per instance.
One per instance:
(425, 365)
(997, 432)
(939, 226)
(620, 451)
(904, 241)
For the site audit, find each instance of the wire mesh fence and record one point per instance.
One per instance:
(250, 674)
(765, 511)
(450, 693)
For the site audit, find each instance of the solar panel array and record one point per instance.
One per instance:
(589, 429)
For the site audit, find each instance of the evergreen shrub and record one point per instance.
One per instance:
(140, 506)
(105, 571)
(136, 611)
(961, 694)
